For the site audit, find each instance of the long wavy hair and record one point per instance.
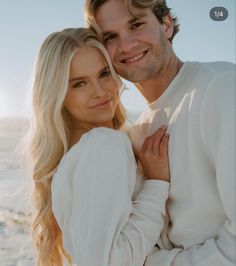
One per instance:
(50, 132)
(158, 7)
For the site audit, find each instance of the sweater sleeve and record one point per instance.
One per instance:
(218, 132)
(103, 226)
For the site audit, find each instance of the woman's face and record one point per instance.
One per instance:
(92, 95)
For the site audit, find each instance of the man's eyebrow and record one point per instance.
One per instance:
(106, 33)
(134, 18)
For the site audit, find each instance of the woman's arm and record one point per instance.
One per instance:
(102, 226)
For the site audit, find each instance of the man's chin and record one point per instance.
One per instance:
(134, 77)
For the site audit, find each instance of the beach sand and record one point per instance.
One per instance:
(15, 240)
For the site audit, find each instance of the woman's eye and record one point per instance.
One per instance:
(79, 84)
(105, 73)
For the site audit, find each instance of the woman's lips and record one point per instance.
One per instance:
(101, 105)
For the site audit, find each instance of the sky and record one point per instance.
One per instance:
(24, 24)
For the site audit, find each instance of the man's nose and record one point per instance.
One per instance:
(127, 43)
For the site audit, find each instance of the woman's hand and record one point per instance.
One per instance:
(153, 156)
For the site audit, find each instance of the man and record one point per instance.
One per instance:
(197, 103)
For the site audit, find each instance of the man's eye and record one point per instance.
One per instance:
(109, 38)
(136, 25)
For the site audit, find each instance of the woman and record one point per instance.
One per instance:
(84, 169)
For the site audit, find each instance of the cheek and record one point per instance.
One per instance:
(152, 34)
(67, 103)
(111, 48)
(116, 98)
(74, 102)
(112, 90)
(152, 38)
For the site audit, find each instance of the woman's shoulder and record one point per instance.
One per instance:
(96, 147)
(100, 136)
(97, 141)
(101, 159)
(106, 134)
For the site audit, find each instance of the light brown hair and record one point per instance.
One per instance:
(158, 7)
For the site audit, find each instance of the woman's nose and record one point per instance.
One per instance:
(98, 89)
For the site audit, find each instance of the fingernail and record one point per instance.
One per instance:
(164, 127)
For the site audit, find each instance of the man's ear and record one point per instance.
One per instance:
(168, 26)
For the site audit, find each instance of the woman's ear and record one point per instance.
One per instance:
(168, 26)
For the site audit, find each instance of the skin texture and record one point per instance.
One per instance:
(92, 95)
(139, 47)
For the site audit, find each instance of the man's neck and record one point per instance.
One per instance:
(152, 89)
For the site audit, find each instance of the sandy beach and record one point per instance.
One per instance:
(15, 240)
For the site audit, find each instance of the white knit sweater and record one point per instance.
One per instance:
(199, 109)
(92, 202)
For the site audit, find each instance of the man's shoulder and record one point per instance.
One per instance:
(215, 67)
(221, 74)
(204, 74)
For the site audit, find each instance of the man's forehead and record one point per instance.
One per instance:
(107, 16)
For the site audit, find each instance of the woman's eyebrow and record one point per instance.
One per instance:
(75, 79)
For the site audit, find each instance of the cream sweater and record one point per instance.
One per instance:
(92, 202)
(199, 109)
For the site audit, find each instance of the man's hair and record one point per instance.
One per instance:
(158, 7)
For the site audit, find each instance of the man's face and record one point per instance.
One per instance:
(138, 45)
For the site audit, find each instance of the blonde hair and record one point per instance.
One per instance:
(50, 132)
(158, 7)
